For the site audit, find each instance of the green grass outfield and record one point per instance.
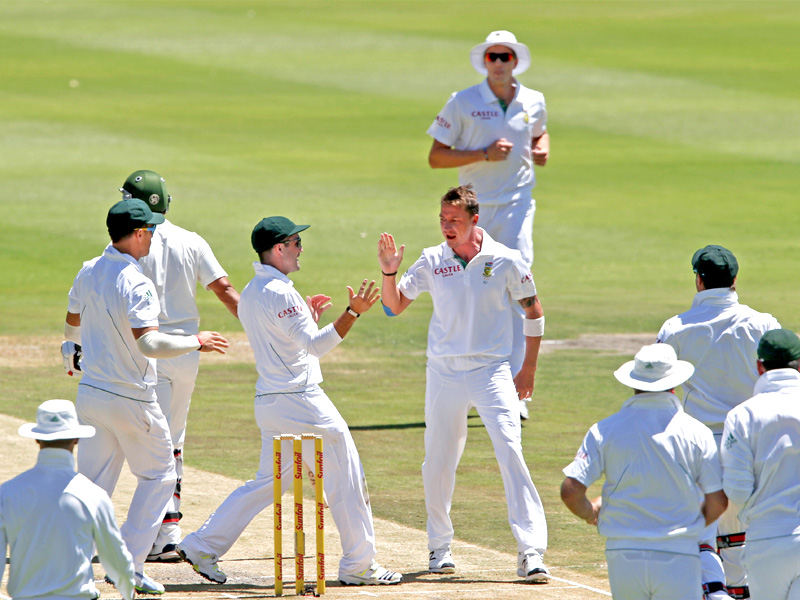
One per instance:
(673, 124)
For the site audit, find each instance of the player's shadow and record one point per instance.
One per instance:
(428, 577)
(407, 425)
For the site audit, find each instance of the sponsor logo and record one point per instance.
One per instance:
(581, 455)
(290, 312)
(447, 271)
(487, 269)
(441, 122)
(729, 441)
(527, 278)
(154, 199)
(484, 114)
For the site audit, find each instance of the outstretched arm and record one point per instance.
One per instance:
(359, 303)
(390, 258)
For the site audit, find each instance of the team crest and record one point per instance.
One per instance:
(487, 269)
(154, 199)
(526, 118)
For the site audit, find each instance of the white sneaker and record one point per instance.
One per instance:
(168, 553)
(441, 561)
(523, 410)
(531, 567)
(144, 585)
(204, 564)
(373, 575)
(719, 595)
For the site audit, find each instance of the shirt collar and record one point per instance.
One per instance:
(654, 398)
(270, 272)
(487, 95)
(777, 379)
(114, 254)
(56, 457)
(487, 247)
(716, 297)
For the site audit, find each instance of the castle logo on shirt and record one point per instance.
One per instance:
(484, 115)
(447, 271)
(290, 312)
(441, 122)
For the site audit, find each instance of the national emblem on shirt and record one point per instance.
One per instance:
(487, 269)
(526, 118)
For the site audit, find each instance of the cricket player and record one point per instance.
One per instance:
(760, 463)
(474, 282)
(282, 329)
(178, 260)
(658, 464)
(113, 314)
(494, 133)
(719, 336)
(53, 518)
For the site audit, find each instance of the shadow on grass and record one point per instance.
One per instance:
(401, 425)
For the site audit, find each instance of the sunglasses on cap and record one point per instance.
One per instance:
(503, 56)
(151, 229)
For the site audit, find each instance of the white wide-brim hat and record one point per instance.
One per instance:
(655, 368)
(56, 420)
(501, 38)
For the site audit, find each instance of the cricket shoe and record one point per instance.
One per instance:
(204, 564)
(531, 567)
(168, 554)
(372, 575)
(441, 561)
(143, 584)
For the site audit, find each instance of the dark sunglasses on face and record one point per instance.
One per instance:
(296, 241)
(503, 56)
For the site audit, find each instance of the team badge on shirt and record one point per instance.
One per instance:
(487, 269)
(526, 117)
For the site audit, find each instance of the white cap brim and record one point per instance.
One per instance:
(30, 430)
(681, 372)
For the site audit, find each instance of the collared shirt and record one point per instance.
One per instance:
(472, 312)
(112, 296)
(761, 456)
(286, 341)
(472, 119)
(51, 518)
(658, 462)
(719, 337)
(177, 261)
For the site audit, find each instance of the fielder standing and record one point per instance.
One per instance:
(760, 464)
(719, 337)
(494, 133)
(282, 329)
(658, 464)
(113, 313)
(474, 282)
(53, 518)
(178, 260)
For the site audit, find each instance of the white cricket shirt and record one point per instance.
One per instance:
(658, 463)
(286, 341)
(472, 305)
(719, 337)
(761, 456)
(472, 119)
(51, 518)
(112, 296)
(177, 261)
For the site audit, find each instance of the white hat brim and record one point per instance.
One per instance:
(681, 372)
(29, 430)
(521, 50)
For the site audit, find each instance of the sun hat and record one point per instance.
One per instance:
(271, 230)
(778, 347)
(716, 265)
(130, 214)
(56, 420)
(147, 186)
(501, 38)
(655, 368)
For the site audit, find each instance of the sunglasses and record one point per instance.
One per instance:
(296, 241)
(503, 56)
(151, 229)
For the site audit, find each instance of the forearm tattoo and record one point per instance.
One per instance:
(527, 302)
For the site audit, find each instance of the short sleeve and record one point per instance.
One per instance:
(587, 466)
(445, 127)
(710, 473)
(540, 124)
(520, 284)
(208, 267)
(143, 306)
(416, 280)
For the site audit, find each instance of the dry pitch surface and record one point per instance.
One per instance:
(481, 572)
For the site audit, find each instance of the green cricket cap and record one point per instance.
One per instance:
(147, 186)
(130, 214)
(272, 230)
(716, 265)
(778, 347)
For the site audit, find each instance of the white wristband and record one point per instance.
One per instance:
(533, 327)
(72, 333)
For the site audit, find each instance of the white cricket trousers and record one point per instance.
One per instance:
(653, 575)
(511, 224)
(137, 432)
(345, 483)
(176, 379)
(773, 568)
(454, 386)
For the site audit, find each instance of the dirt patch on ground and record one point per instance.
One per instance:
(482, 573)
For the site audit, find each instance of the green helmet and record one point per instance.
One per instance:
(149, 187)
